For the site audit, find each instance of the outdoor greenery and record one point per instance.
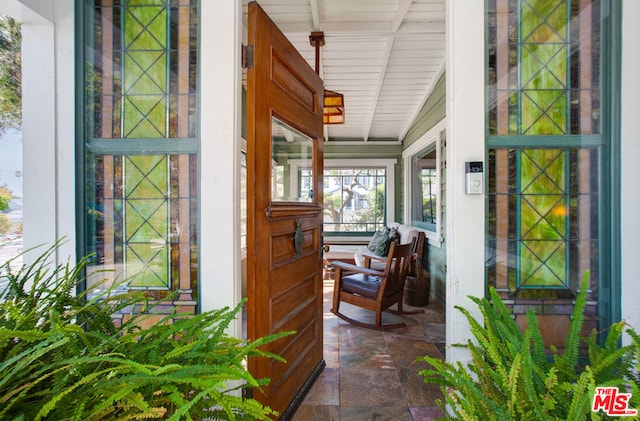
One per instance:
(335, 203)
(62, 357)
(363, 218)
(511, 377)
(10, 75)
(374, 212)
(5, 196)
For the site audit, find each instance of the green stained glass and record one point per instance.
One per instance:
(146, 176)
(542, 171)
(145, 79)
(543, 264)
(540, 204)
(530, 22)
(145, 72)
(542, 184)
(147, 265)
(544, 66)
(557, 218)
(142, 201)
(544, 21)
(145, 116)
(147, 2)
(544, 74)
(559, 19)
(147, 220)
(543, 217)
(145, 28)
(544, 112)
(147, 217)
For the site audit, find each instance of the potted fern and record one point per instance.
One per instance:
(62, 356)
(510, 376)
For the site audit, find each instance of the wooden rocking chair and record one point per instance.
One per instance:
(373, 289)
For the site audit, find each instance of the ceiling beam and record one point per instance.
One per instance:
(315, 15)
(425, 97)
(383, 71)
(403, 8)
(366, 28)
(315, 20)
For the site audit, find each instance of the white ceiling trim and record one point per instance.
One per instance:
(365, 28)
(384, 56)
(359, 142)
(315, 15)
(403, 8)
(423, 101)
(395, 24)
(376, 96)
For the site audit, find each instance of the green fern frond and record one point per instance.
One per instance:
(62, 356)
(569, 359)
(538, 352)
(582, 396)
(529, 384)
(503, 317)
(514, 378)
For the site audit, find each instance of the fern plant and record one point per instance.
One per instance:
(63, 358)
(510, 376)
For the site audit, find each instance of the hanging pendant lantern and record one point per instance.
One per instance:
(333, 104)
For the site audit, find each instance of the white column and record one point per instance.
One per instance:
(48, 124)
(465, 221)
(220, 99)
(630, 132)
(38, 136)
(65, 117)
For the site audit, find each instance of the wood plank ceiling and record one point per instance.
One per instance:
(384, 56)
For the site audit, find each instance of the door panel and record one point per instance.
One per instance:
(284, 227)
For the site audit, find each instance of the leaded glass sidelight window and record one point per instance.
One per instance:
(545, 150)
(140, 144)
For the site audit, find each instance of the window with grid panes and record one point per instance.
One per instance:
(545, 149)
(140, 144)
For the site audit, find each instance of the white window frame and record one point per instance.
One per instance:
(390, 183)
(431, 138)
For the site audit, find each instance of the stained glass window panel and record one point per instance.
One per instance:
(141, 150)
(543, 219)
(543, 58)
(141, 80)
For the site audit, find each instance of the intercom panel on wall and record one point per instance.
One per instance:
(474, 180)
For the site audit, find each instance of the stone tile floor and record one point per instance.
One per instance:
(373, 375)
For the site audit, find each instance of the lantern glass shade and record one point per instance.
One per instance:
(333, 108)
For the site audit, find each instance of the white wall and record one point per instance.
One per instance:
(221, 112)
(465, 222)
(65, 133)
(48, 123)
(630, 157)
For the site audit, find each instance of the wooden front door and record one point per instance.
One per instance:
(284, 213)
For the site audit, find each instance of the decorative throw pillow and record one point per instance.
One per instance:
(380, 242)
(394, 235)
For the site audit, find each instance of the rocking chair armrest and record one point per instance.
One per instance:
(357, 269)
(376, 257)
(368, 257)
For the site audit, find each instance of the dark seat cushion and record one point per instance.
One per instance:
(359, 283)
